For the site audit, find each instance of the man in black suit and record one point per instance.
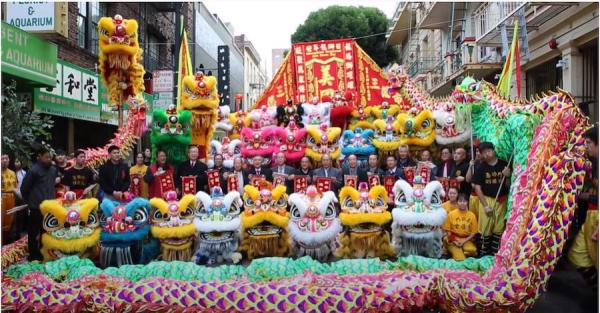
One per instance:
(354, 170)
(393, 169)
(329, 172)
(281, 168)
(192, 167)
(257, 170)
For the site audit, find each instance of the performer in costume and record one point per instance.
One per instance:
(71, 227)
(218, 225)
(173, 225)
(364, 215)
(265, 221)
(418, 218)
(125, 228)
(313, 224)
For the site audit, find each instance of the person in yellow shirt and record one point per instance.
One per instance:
(452, 202)
(9, 187)
(460, 227)
(137, 172)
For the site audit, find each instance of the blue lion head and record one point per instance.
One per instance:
(358, 142)
(124, 224)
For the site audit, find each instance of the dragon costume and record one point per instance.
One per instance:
(171, 133)
(200, 97)
(173, 225)
(292, 142)
(119, 58)
(323, 140)
(418, 218)
(218, 225)
(265, 221)
(313, 223)
(125, 228)
(229, 149)
(70, 227)
(358, 142)
(364, 216)
(290, 112)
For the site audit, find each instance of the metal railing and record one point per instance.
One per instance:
(491, 14)
(421, 66)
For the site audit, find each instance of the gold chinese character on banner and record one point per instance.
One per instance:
(326, 78)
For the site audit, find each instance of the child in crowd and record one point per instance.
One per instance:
(460, 227)
(452, 202)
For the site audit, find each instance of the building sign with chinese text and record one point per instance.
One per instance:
(162, 81)
(26, 56)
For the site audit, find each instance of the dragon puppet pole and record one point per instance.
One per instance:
(471, 125)
(501, 183)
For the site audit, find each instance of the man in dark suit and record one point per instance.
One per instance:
(354, 170)
(329, 172)
(281, 168)
(257, 170)
(393, 169)
(192, 167)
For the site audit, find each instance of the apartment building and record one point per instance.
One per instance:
(442, 42)
(255, 78)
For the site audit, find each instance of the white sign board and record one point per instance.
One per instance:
(162, 81)
(31, 15)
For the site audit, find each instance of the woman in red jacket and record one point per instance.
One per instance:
(160, 177)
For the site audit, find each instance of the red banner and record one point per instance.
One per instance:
(324, 184)
(279, 179)
(214, 179)
(374, 180)
(409, 174)
(232, 183)
(388, 183)
(300, 183)
(351, 180)
(188, 185)
(323, 67)
(166, 183)
(136, 184)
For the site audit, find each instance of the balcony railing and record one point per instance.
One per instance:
(491, 15)
(421, 66)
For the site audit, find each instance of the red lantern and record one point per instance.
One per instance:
(553, 44)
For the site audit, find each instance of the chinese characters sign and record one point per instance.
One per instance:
(75, 94)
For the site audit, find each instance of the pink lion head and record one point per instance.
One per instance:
(292, 142)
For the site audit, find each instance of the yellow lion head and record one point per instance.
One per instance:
(71, 227)
(265, 204)
(118, 36)
(363, 210)
(417, 129)
(387, 135)
(199, 93)
(173, 225)
(323, 140)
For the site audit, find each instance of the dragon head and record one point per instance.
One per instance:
(469, 91)
(418, 210)
(71, 227)
(118, 36)
(316, 113)
(238, 120)
(173, 225)
(289, 113)
(364, 211)
(313, 221)
(262, 117)
(323, 140)
(358, 142)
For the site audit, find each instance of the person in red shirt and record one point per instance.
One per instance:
(160, 176)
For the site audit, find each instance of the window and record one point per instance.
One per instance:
(88, 14)
(81, 24)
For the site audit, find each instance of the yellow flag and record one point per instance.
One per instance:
(185, 64)
(506, 76)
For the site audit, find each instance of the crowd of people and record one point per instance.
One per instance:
(476, 206)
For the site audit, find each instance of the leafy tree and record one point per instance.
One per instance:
(337, 22)
(22, 131)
